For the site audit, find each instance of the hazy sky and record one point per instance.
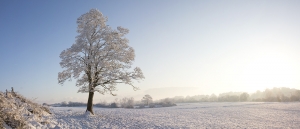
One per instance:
(183, 47)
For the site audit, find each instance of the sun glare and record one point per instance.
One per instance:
(268, 70)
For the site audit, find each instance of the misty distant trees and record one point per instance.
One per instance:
(124, 103)
(72, 104)
(167, 102)
(147, 99)
(244, 97)
(295, 95)
(213, 98)
(127, 102)
(229, 98)
(268, 95)
(282, 94)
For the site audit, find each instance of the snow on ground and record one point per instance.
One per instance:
(188, 115)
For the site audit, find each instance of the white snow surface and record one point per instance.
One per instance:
(184, 116)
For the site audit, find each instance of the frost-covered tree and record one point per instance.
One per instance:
(99, 59)
(147, 99)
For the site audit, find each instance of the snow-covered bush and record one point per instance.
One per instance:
(18, 112)
(10, 111)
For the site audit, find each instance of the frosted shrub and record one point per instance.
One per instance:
(10, 112)
(16, 110)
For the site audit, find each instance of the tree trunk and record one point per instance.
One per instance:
(90, 103)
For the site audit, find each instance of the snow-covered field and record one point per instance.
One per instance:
(189, 115)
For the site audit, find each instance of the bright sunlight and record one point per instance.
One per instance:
(269, 68)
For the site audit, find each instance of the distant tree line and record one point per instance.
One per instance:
(125, 102)
(282, 94)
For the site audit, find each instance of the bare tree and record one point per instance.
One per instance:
(99, 59)
(147, 99)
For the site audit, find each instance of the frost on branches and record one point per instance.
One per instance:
(100, 58)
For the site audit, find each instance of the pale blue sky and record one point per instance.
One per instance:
(207, 46)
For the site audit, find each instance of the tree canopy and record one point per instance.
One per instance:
(100, 58)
